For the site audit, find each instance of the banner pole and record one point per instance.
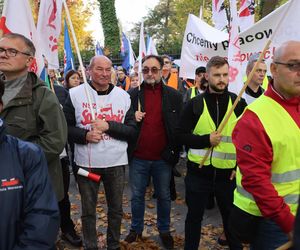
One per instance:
(79, 59)
(223, 124)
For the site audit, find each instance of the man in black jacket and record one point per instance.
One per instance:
(100, 146)
(156, 151)
(197, 130)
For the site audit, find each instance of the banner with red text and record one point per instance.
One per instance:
(201, 41)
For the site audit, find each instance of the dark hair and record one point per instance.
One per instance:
(68, 75)
(1, 91)
(216, 61)
(200, 69)
(158, 58)
(28, 42)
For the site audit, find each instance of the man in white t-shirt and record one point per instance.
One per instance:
(100, 146)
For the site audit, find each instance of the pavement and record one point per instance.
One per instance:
(211, 226)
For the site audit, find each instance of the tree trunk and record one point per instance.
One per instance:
(267, 7)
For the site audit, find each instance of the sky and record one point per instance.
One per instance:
(128, 12)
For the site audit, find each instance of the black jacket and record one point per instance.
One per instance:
(217, 106)
(29, 212)
(171, 109)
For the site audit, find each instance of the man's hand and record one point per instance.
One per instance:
(93, 136)
(139, 115)
(99, 125)
(215, 138)
(232, 176)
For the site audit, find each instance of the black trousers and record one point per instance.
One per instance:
(200, 183)
(66, 223)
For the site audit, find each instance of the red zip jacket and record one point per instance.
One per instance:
(254, 157)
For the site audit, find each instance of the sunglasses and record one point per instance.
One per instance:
(153, 70)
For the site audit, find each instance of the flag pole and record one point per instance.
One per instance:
(79, 59)
(224, 122)
(3, 15)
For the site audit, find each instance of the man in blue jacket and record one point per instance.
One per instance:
(29, 212)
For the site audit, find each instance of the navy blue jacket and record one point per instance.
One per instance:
(29, 216)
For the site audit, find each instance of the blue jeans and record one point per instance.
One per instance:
(269, 236)
(139, 173)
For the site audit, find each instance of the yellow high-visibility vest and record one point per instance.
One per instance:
(284, 135)
(222, 156)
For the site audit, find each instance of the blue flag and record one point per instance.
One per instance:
(68, 55)
(98, 50)
(126, 53)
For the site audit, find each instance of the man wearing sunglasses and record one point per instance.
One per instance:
(31, 111)
(157, 107)
(267, 140)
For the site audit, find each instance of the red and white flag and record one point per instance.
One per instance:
(48, 30)
(219, 14)
(142, 47)
(17, 18)
(234, 52)
(246, 14)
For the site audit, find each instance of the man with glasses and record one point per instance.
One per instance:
(254, 88)
(267, 140)
(157, 107)
(31, 111)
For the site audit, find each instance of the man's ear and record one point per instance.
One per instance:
(273, 69)
(206, 76)
(29, 61)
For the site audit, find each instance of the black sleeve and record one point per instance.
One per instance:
(75, 134)
(240, 107)
(188, 120)
(126, 131)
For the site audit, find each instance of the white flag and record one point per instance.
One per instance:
(48, 30)
(17, 18)
(142, 47)
(234, 52)
(151, 48)
(246, 14)
(219, 14)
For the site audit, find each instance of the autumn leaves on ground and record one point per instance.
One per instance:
(150, 240)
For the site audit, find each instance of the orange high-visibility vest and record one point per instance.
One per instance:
(173, 81)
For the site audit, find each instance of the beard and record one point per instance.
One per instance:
(217, 89)
(152, 81)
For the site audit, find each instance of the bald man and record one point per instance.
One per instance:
(267, 140)
(101, 146)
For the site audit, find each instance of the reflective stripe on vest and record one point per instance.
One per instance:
(222, 156)
(284, 135)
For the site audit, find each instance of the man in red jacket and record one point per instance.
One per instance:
(267, 140)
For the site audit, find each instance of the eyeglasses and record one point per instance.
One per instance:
(10, 52)
(153, 70)
(294, 67)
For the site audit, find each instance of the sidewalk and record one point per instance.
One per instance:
(211, 223)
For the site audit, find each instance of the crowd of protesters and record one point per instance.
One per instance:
(122, 119)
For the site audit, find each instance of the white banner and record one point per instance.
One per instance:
(48, 29)
(201, 41)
